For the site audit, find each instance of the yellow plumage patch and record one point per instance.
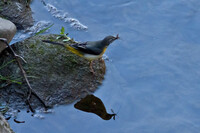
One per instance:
(73, 50)
(104, 50)
(87, 56)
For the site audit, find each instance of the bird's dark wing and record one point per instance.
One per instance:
(82, 47)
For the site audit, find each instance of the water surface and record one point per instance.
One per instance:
(153, 72)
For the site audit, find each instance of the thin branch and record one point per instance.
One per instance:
(30, 90)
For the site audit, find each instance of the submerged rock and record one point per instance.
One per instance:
(56, 75)
(18, 12)
(7, 30)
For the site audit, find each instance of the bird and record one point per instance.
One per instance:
(90, 50)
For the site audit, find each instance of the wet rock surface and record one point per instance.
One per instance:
(4, 126)
(18, 12)
(7, 30)
(55, 74)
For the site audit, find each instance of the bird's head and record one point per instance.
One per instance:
(109, 39)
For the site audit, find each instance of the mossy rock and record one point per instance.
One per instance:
(18, 12)
(56, 75)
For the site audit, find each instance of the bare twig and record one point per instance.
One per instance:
(18, 121)
(30, 90)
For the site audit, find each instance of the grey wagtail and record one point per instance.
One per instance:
(90, 50)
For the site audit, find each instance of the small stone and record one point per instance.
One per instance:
(7, 30)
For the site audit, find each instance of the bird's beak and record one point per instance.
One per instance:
(117, 37)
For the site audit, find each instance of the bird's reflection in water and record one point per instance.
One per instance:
(93, 104)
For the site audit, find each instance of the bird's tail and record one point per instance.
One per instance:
(56, 43)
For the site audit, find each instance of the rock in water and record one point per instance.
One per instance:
(17, 12)
(4, 126)
(7, 30)
(57, 75)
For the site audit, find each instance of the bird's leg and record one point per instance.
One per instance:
(91, 68)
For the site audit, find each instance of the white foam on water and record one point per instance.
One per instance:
(65, 17)
(32, 30)
(37, 27)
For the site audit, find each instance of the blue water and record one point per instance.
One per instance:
(153, 72)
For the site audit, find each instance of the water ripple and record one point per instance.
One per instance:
(65, 17)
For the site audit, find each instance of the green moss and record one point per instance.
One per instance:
(32, 46)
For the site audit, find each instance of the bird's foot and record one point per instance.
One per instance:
(102, 60)
(92, 71)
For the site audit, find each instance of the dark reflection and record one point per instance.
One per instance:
(16, 121)
(94, 105)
